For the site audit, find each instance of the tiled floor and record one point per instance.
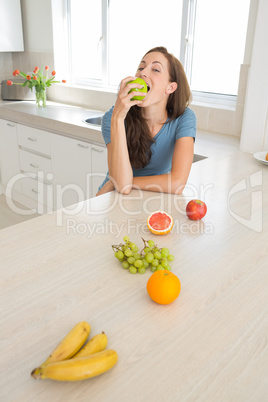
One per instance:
(8, 217)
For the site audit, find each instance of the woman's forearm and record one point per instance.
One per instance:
(164, 183)
(120, 170)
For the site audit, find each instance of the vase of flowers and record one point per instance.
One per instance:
(40, 96)
(37, 81)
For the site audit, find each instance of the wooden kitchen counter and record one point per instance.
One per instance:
(209, 345)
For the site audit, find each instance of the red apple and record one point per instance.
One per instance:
(144, 89)
(196, 210)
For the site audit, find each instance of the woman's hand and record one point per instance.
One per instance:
(123, 102)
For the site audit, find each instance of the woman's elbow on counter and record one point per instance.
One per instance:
(121, 185)
(177, 187)
(125, 189)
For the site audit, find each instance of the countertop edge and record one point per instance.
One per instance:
(77, 131)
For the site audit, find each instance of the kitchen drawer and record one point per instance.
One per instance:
(34, 139)
(36, 190)
(30, 162)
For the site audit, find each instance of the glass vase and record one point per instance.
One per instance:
(40, 96)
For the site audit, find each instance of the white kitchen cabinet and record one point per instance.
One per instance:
(9, 157)
(71, 166)
(53, 171)
(36, 183)
(11, 34)
(34, 139)
(99, 167)
(35, 167)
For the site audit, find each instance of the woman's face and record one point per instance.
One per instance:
(154, 70)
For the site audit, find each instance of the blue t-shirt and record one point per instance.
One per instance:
(164, 142)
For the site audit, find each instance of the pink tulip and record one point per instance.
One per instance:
(9, 82)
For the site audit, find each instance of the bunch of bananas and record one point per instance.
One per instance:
(73, 359)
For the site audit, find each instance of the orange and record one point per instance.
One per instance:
(163, 287)
(160, 223)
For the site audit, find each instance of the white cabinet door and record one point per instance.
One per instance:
(99, 167)
(11, 35)
(9, 156)
(71, 168)
(35, 164)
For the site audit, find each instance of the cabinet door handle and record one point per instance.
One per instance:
(11, 125)
(32, 139)
(82, 146)
(97, 149)
(34, 166)
(35, 191)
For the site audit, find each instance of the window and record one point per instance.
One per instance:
(214, 44)
(137, 26)
(85, 40)
(107, 38)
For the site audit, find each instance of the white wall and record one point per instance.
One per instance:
(253, 10)
(265, 142)
(37, 25)
(254, 135)
(38, 36)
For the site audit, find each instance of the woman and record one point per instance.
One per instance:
(150, 142)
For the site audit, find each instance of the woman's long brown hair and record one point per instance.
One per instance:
(139, 140)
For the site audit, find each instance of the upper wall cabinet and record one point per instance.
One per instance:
(11, 35)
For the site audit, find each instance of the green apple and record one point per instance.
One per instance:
(144, 89)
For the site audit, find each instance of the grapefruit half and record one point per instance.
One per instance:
(160, 222)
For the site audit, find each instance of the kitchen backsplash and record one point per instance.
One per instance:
(213, 118)
(24, 61)
(6, 66)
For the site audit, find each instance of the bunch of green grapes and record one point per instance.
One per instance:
(151, 256)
